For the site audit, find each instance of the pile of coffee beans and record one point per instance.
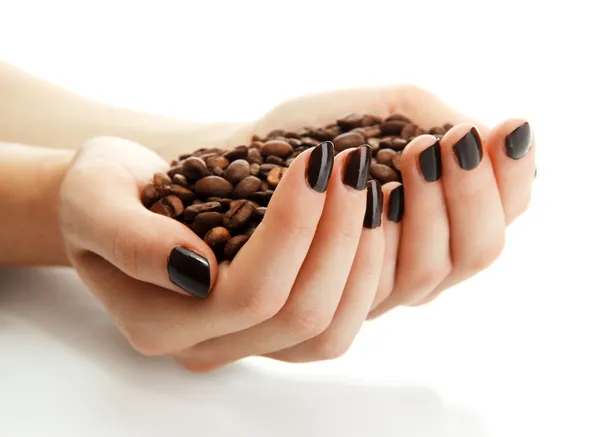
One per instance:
(222, 194)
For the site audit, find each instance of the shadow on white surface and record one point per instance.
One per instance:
(64, 348)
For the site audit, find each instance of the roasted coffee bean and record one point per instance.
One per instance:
(297, 152)
(266, 168)
(398, 117)
(321, 135)
(397, 144)
(385, 142)
(259, 213)
(408, 133)
(350, 122)
(185, 156)
(217, 161)
(213, 186)
(247, 186)
(255, 145)
(161, 179)
(294, 142)
(149, 195)
(448, 126)
(237, 171)
(292, 135)
(192, 211)
(175, 170)
(174, 163)
(374, 143)
(309, 142)
(240, 152)
(348, 140)
(384, 156)
(275, 133)
(289, 161)
(255, 138)
(254, 156)
(278, 148)
(393, 127)
(372, 131)
(205, 221)
(437, 130)
(161, 207)
(262, 197)
(254, 169)
(275, 176)
(250, 228)
(195, 168)
(371, 120)
(234, 245)
(181, 180)
(217, 237)
(175, 204)
(218, 171)
(274, 160)
(225, 202)
(396, 161)
(383, 173)
(238, 215)
(186, 196)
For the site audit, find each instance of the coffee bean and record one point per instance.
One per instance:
(275, 176)
(255, 138)
(161, 179)
(217, 237)
(374, 143)
(448, 126)
(274, 160)
(398, 117)
(437, 130)
(240, 152)
(213, 186)
(420, 131)
(195, 168)
(289, 161)
(247, 186)
(254, 156)
(254, 169)
(181, 180)
(384, 156)
(294, 142)
(383, 173)
(217, 161)
(185, 156)
(372, 131)
(371, 120)
(161, 207)
(205, 221)
(266, 168)
(218, 171)
(348, 140)
(392, 127)
(397, 144)
(264, 186)
(186, 196)
(309, 142)
(238, 215)
(408, 133)
(178, 169)
(350, 122)
(234, 245)
(297, 152)
(192, 211)
(275, 133)
(259, 213)
(175, 204)
(396, 161)
(237, 171)
(255, 145)
(149, 195)
(225, 202)
(277, 148)
(250, 228)
(262, 198)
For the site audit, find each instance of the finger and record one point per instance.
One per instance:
(358, 294)
(474, 204)
(511, 148)
(319, 285)
(424, 252)
(393, 211)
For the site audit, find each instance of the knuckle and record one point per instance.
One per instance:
(304, 324)
(331, 349)
(258, 305)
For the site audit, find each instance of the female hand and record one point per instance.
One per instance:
(307, 277)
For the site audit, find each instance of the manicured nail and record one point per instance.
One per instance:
(468, 150)
(430, 161)
(396, 204)
(518, 142)
(374, 204)
(356, 169)
(189, 271)
(320, 166)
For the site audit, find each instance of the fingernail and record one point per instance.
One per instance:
(430, 161)
(396, 204)
(468, 150)
(189, 271)
(356, 169)
(374, 201)
(320, 165)
(518, 142)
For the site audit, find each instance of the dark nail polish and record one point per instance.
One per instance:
(396, 204)
(356, 169)
(320, 165)
(518, 142)
(430, 161)
(189, 271)
(468, 150)
(374, 203)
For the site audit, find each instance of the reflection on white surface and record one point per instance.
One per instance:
(65, 355)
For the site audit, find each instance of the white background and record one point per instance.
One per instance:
(513, 352)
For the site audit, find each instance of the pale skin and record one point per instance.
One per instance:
(302, 296)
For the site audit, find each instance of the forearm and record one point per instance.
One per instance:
(38, 113)
(30, 179)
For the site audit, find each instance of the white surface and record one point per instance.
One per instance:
(513, 352)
